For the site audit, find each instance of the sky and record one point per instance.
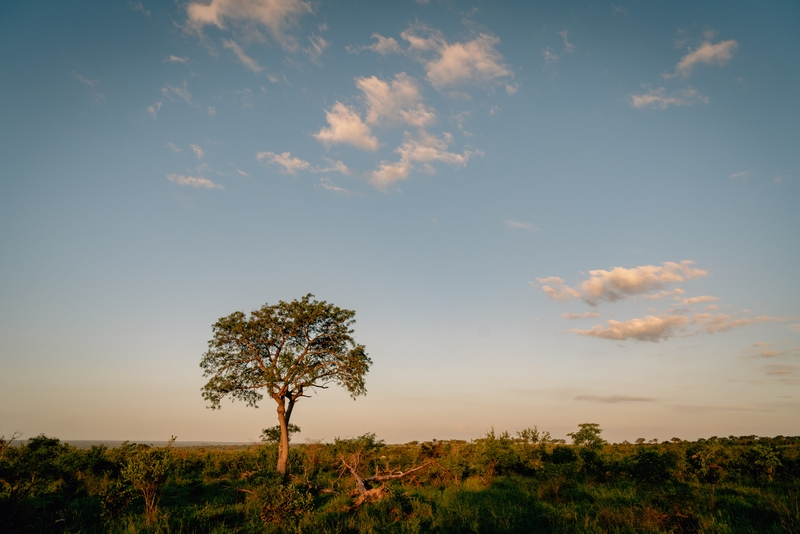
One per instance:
(543, 213)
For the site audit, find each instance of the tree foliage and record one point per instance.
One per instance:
(284, 350)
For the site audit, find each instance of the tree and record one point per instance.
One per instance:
(588, 436)
(284, 350)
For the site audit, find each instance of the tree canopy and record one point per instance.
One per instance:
(283, 350)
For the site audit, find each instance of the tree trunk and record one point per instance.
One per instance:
(283, 444)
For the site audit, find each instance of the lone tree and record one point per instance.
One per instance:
(285, 350)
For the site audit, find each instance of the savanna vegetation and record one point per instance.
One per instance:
(527, 482)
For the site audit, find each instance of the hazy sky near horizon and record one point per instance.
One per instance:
(543, 213)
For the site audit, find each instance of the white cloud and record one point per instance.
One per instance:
(586, 315)
(793, 327)
(512, 88)
(721, 322)
(92, 84)
(290, 165)
(333, 166)
(84, 80)
(554, 287)
(384, 46)
(650, 328)
(275, 15)
(549, 56)
(242, 172)
(175, 59)
(346, 127)
(614, 398)
(517, 225)
(742, 175)
(212, 110)
(469, 62)
(180, 92)
(710, 54)
(175, 148)
(659, 99)
(699, 300)
(396, 102)
(422, 149)
(197, 151)
(619, 282)
(154, 109)
(137, 6)
(568, 47)
(326, 184)
(193, 181)
(246, 60)
(664, 294)
(316, 47)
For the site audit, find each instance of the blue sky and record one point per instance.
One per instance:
(542, 214)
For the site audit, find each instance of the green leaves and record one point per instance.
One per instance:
(284, 349)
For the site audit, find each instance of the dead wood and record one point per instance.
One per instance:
(364, 491)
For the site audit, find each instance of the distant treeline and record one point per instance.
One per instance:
(528, 482)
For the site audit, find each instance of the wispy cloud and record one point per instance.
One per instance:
(614, 399)
(585, 315)
(619, 282)
(183, 93)
(175, 148)
(664, 294)
(333, 166)
(274, 15)
(568, 47)
(519, 225)
(290, 164)
(175, 59)
(384, 46)
(197, 151)
(246, 60)
(720, 322)
(660, 99)
(326, 184)
(699, 300)
(316, 47)
(138, 6)
(737, 175)
(193, 181)
(154, 108)
(706, 53)
(92, 84)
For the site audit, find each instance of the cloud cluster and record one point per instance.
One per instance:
(707, 53)
(396, 102)
(290, 164)
(619, 282)
(656, 328)
(419, 150)
(275, 15)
